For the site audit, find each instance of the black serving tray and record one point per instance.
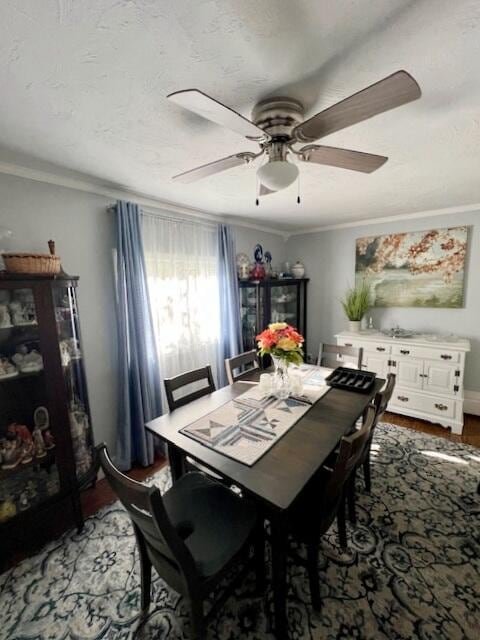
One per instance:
(351, 379)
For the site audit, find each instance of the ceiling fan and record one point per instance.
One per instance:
(278, 125)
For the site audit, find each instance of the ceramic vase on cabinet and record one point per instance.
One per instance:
(298, 270)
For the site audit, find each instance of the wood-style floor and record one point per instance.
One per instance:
(101, 495)
(470, 435)
(94, 499)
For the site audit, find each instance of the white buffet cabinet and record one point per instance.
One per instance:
(429, 373)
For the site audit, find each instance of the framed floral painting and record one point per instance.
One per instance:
(417, 269)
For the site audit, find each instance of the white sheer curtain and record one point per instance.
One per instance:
(182, 271)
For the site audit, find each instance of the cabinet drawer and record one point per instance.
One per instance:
(442, 355)
(370, 347)
(442, 407)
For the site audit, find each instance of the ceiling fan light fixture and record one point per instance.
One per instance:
(277, 174)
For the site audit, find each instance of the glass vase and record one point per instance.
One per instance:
(281, 381)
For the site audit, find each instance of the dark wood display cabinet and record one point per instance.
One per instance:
(46, 442)
(272, 300)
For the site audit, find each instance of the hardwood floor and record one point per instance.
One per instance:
(97, 497)
(470, 435)
(101, 495)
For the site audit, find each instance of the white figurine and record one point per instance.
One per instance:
(27, 362)
(64, 353)
(17, 313)
(5, 321)
(7, 369)
(39, 444)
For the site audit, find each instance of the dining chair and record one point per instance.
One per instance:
(379, 404)
(179, 382)
(324, 500)
(195, 535)
(183, 380)
(243, 362)
(328, 356)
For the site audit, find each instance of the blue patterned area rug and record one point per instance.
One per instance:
(412, 570)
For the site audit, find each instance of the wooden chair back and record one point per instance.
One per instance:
(384, 396)
(244, 362)
(380, 404)
(154, 532)
(350, 453)
(184, 379)
(327, 355)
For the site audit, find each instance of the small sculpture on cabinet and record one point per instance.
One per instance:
(79, 426)
(38, 443)
(48, 439)
(23, 503)
(7, 509)
(11, 452)
(27, 361)
(7, 369)
(258, 271)
(5, 321)
(243, 266)
(24, 441)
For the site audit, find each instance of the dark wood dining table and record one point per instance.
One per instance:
(279, 477)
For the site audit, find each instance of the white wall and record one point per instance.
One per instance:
(85, 237)
(248, 238)
(329, 258)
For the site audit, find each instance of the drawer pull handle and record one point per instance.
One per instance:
(403, 398)
(441, 407)
(348, 344)
(445, 356)
(405, 352)
(423, 375)
(380, 348)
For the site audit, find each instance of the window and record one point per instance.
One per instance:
(182, 271)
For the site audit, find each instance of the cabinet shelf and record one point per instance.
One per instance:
(272, 300)
(28, 325)
(47, 460)
(22, 376)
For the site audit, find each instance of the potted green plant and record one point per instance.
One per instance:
(355, 303)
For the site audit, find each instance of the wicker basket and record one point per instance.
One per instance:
(32, 263)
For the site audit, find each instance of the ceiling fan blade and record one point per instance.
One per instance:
(209, 108)
(391, 92)
(265, 191)
(211, 168)
(342, 158)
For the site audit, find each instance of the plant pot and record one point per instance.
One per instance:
(354, 325)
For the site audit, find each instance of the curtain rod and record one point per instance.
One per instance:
(174, 217)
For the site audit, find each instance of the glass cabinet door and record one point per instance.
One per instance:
(284, 304)
(28, 464)
(252, 304)
(66, 316)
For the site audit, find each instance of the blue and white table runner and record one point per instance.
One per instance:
(248, 426)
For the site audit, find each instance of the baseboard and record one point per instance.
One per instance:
(472, 402)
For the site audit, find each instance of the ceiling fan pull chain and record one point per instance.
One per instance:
(298, 189)
(257, 200)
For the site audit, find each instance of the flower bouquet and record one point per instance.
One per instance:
(284, 344)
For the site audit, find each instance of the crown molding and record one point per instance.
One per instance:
(117, 191)
(121, 192)
(402, 216)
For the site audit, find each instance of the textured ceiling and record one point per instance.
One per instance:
(83, 86)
